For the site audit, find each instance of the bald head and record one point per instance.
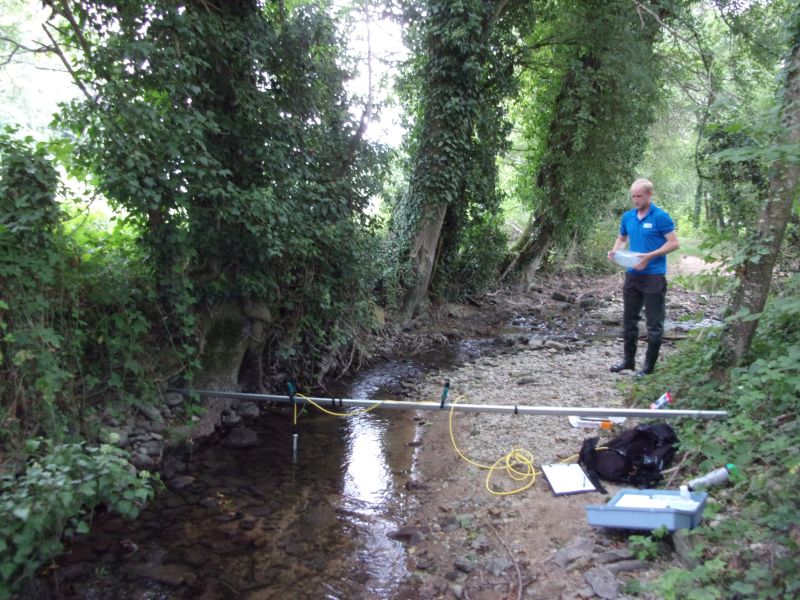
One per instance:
(642, 194)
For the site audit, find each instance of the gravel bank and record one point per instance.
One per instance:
(474, 544)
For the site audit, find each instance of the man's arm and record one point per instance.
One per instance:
(670, 245)
(621, 241)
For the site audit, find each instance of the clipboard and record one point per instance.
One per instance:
(567, 479)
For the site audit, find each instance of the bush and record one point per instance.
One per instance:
(754, 545)
(75, 310)
(55, 497)
(590, 255)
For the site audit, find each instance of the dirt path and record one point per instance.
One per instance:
(690, 265)
(477, 545)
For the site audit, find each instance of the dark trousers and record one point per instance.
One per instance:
(650, 292)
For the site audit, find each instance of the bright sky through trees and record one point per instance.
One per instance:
(33, 84)
(377, 45)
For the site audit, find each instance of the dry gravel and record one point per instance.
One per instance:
(531, 544)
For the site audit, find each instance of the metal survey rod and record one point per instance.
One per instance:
(516, 409)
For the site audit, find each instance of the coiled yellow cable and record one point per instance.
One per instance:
(518, 461)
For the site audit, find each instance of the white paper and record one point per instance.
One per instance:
(567, 479)
(655, 501)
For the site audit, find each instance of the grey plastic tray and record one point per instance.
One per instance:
(623, 517)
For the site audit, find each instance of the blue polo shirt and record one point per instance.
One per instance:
(646, 235)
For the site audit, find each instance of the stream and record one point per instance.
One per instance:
(253, 523)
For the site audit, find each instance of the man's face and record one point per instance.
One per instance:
(640, 197)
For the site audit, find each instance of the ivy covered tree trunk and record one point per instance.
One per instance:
(597, 128)
(457, 86)
(755, 274)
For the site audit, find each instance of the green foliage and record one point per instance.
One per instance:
(648, 547)
(224, 131)
(668, 159)
(724, 70)
(30, 267)
(582, 130)
(590, 256)
(61, 486)
(474, 267)
(752, 550)
(710, 283)
(73, 330)
(741, 183)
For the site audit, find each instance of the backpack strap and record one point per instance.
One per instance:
(586, 458)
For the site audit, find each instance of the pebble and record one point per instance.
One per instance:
(178, 483)
(627, 565)
(247, 409)
(143, 462)
(408, 534)
(552, 344)
(613, 555)
(151, 412)
(173, 399)
(578, 547)
(464, 565)
(173, 575)
(603, 582)
(241, 437)
(231, 419)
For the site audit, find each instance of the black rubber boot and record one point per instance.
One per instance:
(650, 359)
(629, 361)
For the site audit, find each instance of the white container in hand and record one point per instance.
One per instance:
(626, 258)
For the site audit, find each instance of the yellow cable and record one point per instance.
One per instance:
(337, 414)
(574, 456)
(513, 459)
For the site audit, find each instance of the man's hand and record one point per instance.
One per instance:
(643, 262)
(610, 255)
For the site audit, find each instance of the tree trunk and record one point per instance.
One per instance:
(423, 255)
(454, 80)
(534, 255)
(698, 202)
(755, 275)
(232, 331)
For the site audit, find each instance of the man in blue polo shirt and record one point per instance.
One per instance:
(651, 234)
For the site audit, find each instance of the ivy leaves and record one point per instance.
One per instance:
(58, 491)
(224, 131)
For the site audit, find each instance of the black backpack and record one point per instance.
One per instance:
(636, 456)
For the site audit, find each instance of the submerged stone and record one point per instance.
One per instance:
(241, 437)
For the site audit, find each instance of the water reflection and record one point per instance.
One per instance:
(366, 474)
(368, 487)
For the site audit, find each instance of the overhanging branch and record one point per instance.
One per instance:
(57, 50)
(17, 47)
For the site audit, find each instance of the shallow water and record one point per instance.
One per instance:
(255, 523)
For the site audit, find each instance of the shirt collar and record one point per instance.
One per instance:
(649, 212)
